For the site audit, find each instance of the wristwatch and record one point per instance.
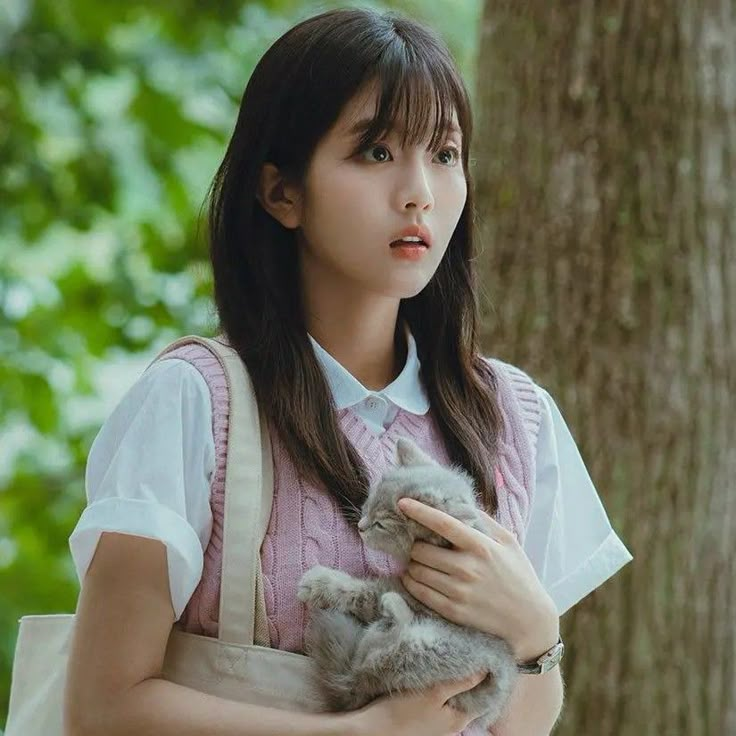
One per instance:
(551, 658)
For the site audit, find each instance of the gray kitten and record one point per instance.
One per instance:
(371, 637)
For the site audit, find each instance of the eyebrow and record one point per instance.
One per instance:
(362, 125)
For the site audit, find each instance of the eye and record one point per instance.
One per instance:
(372, 147)
(455, 151)
(379, 525)
(380, 147)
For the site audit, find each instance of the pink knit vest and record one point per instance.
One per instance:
(306, 527)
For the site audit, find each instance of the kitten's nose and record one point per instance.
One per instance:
(363, 524)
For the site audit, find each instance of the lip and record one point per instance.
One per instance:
(409, 251)
(418, 231)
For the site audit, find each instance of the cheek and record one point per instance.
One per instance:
(454, 195)
(399, 535)
(345, 216)
(340, 190)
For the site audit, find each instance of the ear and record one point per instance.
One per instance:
(408, 453)
(279, 199)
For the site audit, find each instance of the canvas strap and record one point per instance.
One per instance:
(248, 499)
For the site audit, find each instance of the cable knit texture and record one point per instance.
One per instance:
(306, 527)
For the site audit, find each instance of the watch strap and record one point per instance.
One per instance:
(551, 658)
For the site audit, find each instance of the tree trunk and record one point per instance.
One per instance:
(605, 166)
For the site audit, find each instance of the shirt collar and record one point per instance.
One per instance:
(406, 390)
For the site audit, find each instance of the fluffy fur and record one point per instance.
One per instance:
(371, 637)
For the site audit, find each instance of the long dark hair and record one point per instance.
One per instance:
(293, 98)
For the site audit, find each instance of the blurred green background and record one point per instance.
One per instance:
(113, 119)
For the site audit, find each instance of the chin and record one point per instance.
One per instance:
(408, 293)
(406, 288)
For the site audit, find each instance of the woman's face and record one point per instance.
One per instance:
(354, 206)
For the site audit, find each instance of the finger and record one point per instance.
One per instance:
(453, 530)
(496, 530)
(450, 561)
(447, 689)
(486, 516)
(432, 578)
(438, 602)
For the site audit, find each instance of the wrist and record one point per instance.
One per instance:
(352, 723)
(542, 634)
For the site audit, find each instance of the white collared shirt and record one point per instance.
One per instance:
(376, 408)
(149, 468)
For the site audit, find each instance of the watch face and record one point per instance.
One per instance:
(554, 658)
(546, 662)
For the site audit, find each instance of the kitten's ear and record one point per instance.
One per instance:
(408, 453)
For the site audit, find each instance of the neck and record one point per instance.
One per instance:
(355, 325)
(374, 356)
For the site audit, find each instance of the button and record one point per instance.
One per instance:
(376, 402)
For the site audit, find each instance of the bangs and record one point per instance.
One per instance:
(418, 96)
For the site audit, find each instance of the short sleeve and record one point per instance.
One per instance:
(148, 474)
(569, 539)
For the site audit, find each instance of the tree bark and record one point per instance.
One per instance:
(605, 168)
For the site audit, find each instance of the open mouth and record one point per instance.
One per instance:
(409, 244)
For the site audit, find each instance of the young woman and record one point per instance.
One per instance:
(353, 134)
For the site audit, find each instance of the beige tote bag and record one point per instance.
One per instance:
(239, 664)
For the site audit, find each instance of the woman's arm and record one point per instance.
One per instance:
(534, 707)
(114, 685)
(158, 707)
(536, 701)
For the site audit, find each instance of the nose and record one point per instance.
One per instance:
(416, 191)
(363, 524)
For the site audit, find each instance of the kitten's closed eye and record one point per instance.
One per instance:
(379, 525)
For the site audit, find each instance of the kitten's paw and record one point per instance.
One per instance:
(394, 607)
(312, 584)
(321, 586)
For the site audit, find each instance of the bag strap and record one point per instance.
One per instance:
(248, 500)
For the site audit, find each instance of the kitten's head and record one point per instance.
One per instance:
(383, 526)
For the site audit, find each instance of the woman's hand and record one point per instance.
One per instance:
(415, 714)
(485, 581)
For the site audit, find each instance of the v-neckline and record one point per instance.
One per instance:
(403, 420)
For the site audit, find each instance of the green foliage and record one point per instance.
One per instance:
(115, 116)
